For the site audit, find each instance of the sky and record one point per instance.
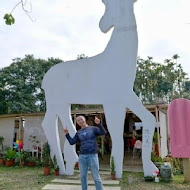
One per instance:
(66, 28)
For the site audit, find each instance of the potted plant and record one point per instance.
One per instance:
(2, 160)
(112, 167)
(31, 161)
(24, 154)
(56, 167)
(10, 156)
(77, 165)
(46, 159)
(157, 160)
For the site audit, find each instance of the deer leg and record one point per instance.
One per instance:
(50, 127)
(70, 155)
(149, 123)
(115, 115)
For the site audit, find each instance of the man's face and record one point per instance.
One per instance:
(81, 121)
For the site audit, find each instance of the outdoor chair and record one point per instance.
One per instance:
(137, 148)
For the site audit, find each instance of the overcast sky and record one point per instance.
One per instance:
(65, 28)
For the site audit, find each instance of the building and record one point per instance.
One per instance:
(27, 127)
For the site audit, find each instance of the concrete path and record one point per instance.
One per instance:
(74, 187)
(90, 182)
(73, 182)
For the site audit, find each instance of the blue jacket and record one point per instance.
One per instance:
(87, 138)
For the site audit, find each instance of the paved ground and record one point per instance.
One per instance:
(129, 163)
(73, 182)
(74, 187)
(90, 182)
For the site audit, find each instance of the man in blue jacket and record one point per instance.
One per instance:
(88, 157)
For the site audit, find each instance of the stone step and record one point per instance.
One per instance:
(101, 172)
(90, 182)
(74, 187)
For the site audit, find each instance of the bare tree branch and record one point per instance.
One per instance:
(15, 6)
(9, 19)
(26, 11)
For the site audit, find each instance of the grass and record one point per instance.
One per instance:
(31, 178)
(23, 178)
(131, 180)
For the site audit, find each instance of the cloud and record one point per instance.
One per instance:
(67, 28)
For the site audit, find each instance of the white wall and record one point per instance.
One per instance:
(33, 127)
(7, 130)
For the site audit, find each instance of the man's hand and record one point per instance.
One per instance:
(66, 131)
(96, 120)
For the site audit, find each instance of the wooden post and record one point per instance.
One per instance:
(19, 129)
(75, 119)
(102, 138)
(186, 169)
(41, 146)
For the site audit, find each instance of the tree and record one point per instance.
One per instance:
(20, 84)
(81, 56)
(154, 81)
(3, 103)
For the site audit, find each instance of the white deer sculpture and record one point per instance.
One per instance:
(105, 79)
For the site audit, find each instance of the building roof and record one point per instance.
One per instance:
(150, 107)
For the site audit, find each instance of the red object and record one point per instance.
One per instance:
(31, 164)
(113, 177)
(133, 141)
(156, 149)
(9, 163)
(129, 144)
(77, 165)
(21, 144)
(47, 171)
(56, 172)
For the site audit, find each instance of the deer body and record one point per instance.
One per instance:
(106, 79)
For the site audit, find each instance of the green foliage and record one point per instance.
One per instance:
(156, 158)
(55, 165)
(46, 155)
(161, 83)
(176, 164)
(20, 85)
(10, 154)
(81, 56)
(3, 102)
(149, 178)
(32, 159)
(24, 155)
(23, 178)
(9, 19)
(112, 166)
(155, 138)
